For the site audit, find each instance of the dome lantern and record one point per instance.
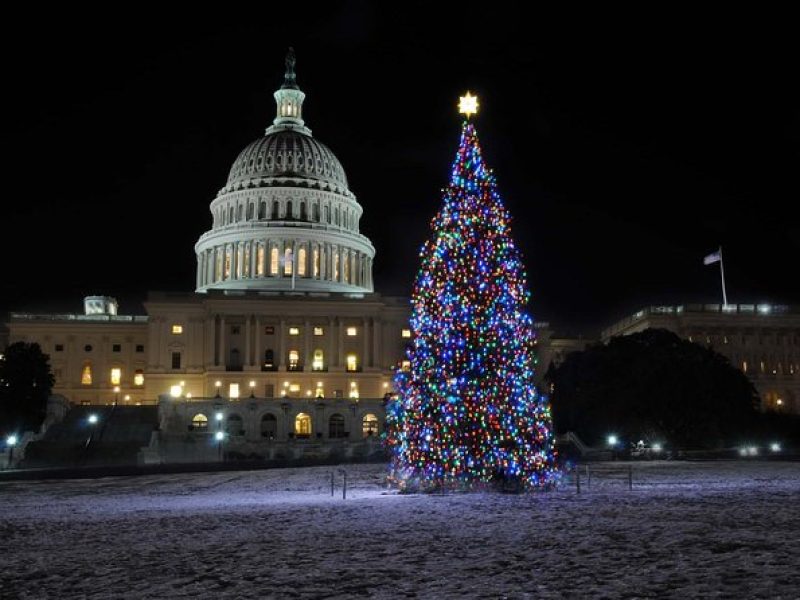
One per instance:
(289, 99)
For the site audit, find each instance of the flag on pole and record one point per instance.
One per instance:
(712, 258)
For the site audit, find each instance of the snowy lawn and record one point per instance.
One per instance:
(715, 529)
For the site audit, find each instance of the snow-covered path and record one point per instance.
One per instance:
(727, 529)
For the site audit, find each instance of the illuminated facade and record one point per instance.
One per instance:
(760, 339)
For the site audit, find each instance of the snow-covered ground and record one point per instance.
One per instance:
(687, 530)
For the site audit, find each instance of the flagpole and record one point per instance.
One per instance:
(722, 274)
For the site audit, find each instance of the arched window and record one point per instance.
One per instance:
(262, 210)
(239, 213)
(269, 426)
(86, 373)
(369, 425)
(200, 422)
(318, 364)
(302, 425)
(336, 215)
(235, 425)
(352, 362)
(289, 211)
(275, 208)
(303, 215)
(230, 215)
(287, 261)
(327, 215)
(273, 262)
(301, 262)
(249, 211)
(315, 213)
(336, 426)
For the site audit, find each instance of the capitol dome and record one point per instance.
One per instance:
(286, 220)
(287, 154)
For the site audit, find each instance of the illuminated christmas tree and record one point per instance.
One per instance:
(467, 411)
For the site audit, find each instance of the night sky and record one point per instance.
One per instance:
(626, 146)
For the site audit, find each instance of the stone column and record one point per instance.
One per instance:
(377, 355)
(258, 358)
(281, 345)
(208, 342)
(307, 346)
(331, 359)
(248, 358)
(340, 349)
(223, 360)
(365, 360)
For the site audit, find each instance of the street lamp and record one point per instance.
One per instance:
(612, 440)
(218, 384)
(11, 441)
(116, 395)
(252, 389)
(220, 437)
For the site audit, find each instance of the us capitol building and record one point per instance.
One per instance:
(285, 341)
(284, 337)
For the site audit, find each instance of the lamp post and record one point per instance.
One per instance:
(217, 384)
(116, 395)
(11, 441)
(252, 389)
(219, 436)
(92, 419)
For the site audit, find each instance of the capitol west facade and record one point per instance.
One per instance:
(284, 336)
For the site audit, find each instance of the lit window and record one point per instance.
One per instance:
(177, 329)
(200, 421)
(260, 261)
(294, 331)
(315, 261)
(352, 331)
(246, 261)
(86, 374)
(352, 362)
(287, 261)
(233, 390)
(406, 333)
(353, 390)
(294, 358)
(116, 376)
(273, 261)
(138, 377)
(318, 364)
(319, 331)
(227, 274)
(405, 365)
(346, 268)
(335, 265)
(302, 425)
(370, 425)
(294, 388)
(320, 392)
(301, 262)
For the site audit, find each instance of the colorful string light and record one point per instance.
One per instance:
(467, 411)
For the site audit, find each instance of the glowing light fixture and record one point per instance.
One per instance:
(612, 440)
(468, 104)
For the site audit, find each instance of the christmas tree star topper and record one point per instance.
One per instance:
(468, 105)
